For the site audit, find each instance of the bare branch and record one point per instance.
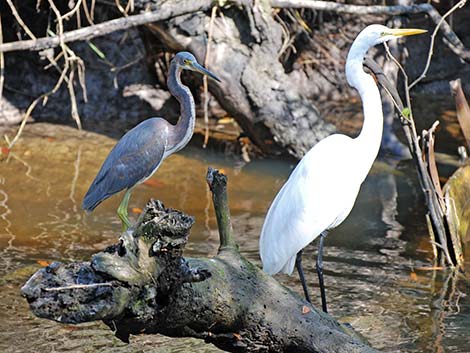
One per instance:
(352, 9)
(77, 286)
(170, 10)
(459, 5)
(20, 20)
(453, 41)
(165, 12)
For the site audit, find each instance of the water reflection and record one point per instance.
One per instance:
(372, 261)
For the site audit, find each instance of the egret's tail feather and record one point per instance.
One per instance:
(289, 266)
(271, 268)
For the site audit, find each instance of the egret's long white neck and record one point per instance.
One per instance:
(370, 137)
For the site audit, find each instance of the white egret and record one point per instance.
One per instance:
(322, 189)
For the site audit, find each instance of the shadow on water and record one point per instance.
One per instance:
(373, 262)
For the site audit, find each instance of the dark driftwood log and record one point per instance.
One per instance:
(144, 285)
(268, 103)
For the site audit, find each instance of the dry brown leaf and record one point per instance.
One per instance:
(305, 310)
(463, 110)
(43, 263)
(136, 210)
(431, 268)
(237, 336)
(431, 160)
(225, 120)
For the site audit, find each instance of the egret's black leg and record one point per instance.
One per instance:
(298, 265)
(320, 270)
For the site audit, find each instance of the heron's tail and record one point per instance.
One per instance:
(89, 203)
(93, 198)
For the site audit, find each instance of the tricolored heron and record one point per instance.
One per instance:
(322, 189)
(139, 153)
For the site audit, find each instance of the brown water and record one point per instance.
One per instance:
(371, 262)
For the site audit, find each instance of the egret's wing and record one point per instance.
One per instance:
(134, 158)
(314, 198)
(290, 225)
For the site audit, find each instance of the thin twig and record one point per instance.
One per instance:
(77, 286)
(20, 20)
(454, 43)
(88, 13)
(460, 4)
(170, 10)
(165, 12)
(69, 14)
(205, 84)
(125, 11)
(424, 177)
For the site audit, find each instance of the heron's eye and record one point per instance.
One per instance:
(187, 61)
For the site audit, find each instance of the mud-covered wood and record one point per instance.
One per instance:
(144, 285)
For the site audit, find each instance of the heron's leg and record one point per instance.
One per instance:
(122, 210)
(320, 270)
(298, 265)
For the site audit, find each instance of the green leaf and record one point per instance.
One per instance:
(406, 112)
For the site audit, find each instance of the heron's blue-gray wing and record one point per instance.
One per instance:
(134, 158)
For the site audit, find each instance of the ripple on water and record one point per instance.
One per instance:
(368, 261)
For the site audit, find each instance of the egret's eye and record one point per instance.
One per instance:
(383, 34)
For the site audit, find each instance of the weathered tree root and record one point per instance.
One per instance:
(144, 285)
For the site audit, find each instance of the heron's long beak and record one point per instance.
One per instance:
(204, 71)
(401, 32)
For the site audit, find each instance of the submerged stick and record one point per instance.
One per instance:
(225, 300)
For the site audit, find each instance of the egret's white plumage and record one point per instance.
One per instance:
(322, 189)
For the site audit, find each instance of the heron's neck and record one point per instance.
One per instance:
(183, 130)
(370, 137)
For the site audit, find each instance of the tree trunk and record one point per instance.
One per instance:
(268, 103)
(144, 285)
